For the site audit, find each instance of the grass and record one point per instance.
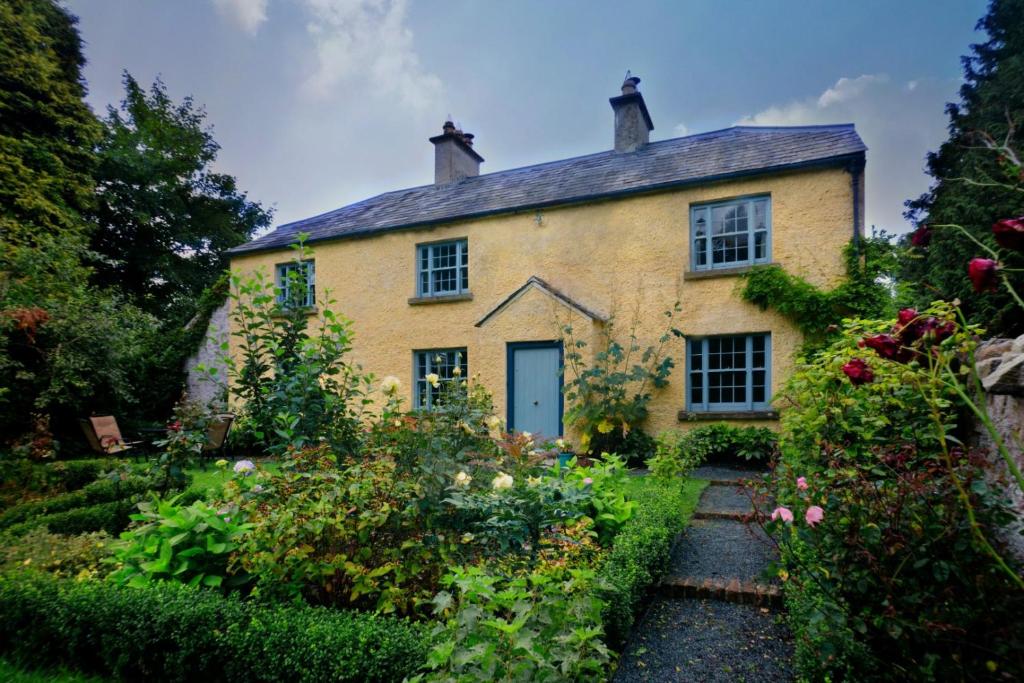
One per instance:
(692, 489)
(12, 673)
(212, 478)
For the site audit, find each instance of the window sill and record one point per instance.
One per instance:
(690, 416)
(722, 272)
(443, 299)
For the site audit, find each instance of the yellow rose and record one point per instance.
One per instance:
(434, 380)
(390, 385)
(605, 426)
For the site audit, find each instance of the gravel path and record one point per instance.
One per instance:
(710, 640)
(725, 473)
(730, 499)
(707, 640)
(721, 548)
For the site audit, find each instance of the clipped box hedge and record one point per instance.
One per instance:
(642, 551)
(173, 633)
(101, 491)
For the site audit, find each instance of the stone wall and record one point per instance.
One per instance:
(209, 354)
(1000, 364)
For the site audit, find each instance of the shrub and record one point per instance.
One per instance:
(21, 475)
(678, 453)
(187, 543)
(169, 632)
(545, 626)
(102, 491)
(888, 571)
(608, 397)
(65, 556)
(111, 517)
(641, 552)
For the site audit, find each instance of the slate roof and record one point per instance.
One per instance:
(702, 158)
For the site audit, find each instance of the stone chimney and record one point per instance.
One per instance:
(632, 122)
(454, 157)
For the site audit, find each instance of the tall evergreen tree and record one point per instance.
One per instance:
(164, 217)
(65, 346)
(970, 185)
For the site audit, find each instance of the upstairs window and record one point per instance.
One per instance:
(443, 268)
(729, 373)
(296, 284)
(731, 234)
(440, 362)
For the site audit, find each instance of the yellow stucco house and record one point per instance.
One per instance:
(480, 271)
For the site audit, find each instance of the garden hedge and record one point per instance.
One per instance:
(66, 475)
(172, 633)
(101, 491)
(642, 550)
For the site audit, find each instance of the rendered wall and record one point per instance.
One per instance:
(610, 256)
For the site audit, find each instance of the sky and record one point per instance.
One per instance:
(320, 103)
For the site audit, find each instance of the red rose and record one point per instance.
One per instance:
(982, 272)
(888, 347)
(1009, 233)
(858, 372)
(174, 426)
(921, 237)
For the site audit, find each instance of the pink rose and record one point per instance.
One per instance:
(814, 515)
(785, 514)
(801, 483)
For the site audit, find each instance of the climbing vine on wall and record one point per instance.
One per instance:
(866, 292)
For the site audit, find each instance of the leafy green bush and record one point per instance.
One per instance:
(191, 544)
(542, 627)
(169, 632)
(296, 388)
(608, 396)
(641, 551)
(102, 491)
(889, 573)
(678, 453)
(21, 475)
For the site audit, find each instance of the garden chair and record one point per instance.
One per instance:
(217, 433)
(104, 436)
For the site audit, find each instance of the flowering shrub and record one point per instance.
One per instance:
(349, 535)
(183, 444)
(883, 519)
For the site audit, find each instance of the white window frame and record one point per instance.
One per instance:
(700, 377)
(426, 268)
(705, 241)
(284, 282)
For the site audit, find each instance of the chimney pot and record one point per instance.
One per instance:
(454, 156)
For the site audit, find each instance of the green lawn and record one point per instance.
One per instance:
(691, 490)
(212, 477)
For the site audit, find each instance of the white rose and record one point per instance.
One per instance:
(560, 443)
(502, 481)
(433, 379)
(390, 385)
(462, 479)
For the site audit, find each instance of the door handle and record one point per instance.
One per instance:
(536, 403)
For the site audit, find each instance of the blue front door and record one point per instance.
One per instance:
(535, 388)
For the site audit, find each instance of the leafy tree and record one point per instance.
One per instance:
(164, 217)
(64, 345)
(971, 188)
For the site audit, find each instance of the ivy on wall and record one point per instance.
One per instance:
(866, 292)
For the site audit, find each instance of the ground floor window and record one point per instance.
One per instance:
(729, 372)
(440, 362)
